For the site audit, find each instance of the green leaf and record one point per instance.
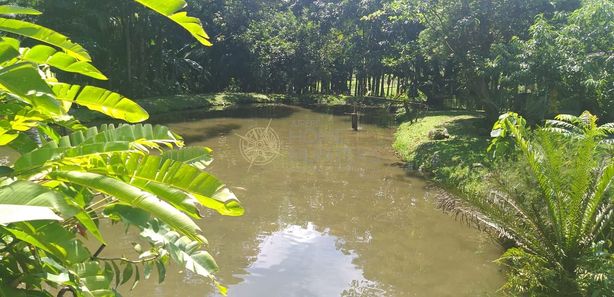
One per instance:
(8, 138)
(43, 54)
(23, 144)
(94, 278)
(52, 238)
(128, 214)
(199, 157)
(101, 100)
(141, 169)
(14, 9)
(7, 52)
(12, 41)
(5, 171)
(135, 197)
(182, 250)
(161, 271)
(171, 9)
(147, 268)
(117, 273)
(27, 193)
(49, 132)
(97, 141)
(86, 220)
(127, 273)
(23, 81)
(58, 278)
(177, 198)
(46, 35)
(38, 157)
(108, 133)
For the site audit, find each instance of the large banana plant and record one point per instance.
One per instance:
(68, 178)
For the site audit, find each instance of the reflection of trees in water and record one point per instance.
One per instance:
(344, 185)
(363, 288)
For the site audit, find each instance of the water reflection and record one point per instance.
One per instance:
(331, 216)
(300, 261)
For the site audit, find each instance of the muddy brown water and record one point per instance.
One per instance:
(329, 212)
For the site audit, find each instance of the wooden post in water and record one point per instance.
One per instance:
(354, 116)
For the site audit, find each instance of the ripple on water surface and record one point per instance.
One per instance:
(330, 215)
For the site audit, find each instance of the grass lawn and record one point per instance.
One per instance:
(456, 162)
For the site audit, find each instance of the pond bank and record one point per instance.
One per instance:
(458, 160)
(217, 101)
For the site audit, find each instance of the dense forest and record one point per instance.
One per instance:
(537, 57)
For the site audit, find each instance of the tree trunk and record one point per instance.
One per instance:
(128, 50)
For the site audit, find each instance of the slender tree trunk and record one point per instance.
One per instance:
(350, 85)
(381, 88)
(128, 50)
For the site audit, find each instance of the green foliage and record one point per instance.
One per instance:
(557, 210)
(171, 9)
(536, 57)
(69, 179)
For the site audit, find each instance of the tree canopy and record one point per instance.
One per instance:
(535, 57)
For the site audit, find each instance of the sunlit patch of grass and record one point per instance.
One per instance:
(457, 162)
(411, 135)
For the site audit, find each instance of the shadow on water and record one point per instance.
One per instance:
(269, 111)
(369, 115)
(210, 132)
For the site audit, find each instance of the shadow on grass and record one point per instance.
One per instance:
(452, 161)
(476, 127)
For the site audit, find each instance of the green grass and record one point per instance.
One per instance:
(458, 162)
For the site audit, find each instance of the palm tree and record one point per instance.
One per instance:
(562, 216)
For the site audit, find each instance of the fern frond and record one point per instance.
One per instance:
(567, 118)
(562, 124)
(597, 198)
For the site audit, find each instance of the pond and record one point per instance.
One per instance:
(329, 212)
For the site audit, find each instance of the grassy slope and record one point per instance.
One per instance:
(456, 162)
